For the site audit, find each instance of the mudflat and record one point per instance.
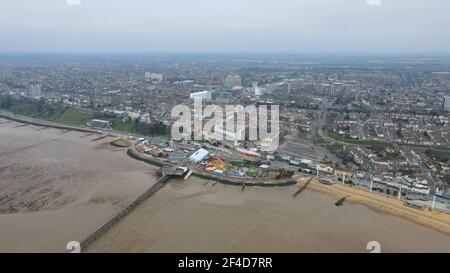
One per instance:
(204, 216)
(58, 186)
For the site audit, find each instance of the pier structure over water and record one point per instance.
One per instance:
(166, 174)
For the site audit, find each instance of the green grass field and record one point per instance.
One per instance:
(348, 140)
(74, 116)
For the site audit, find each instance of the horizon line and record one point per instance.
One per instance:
(205, 52)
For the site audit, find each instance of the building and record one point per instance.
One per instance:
(255, 88)
(286, 87)
(203, 95)
(198, 156)
(447, 103)
(343, 172)
(133, 115)
(238, 91)
(98, 123)
(305, 163)
(114, 111)
(324, 168)
(35, 91)
(153, 77)
(224, 97)
(232, 81)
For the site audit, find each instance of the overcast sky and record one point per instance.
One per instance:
(297, 26)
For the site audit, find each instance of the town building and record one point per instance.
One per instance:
(447, 103)
(154, 77)
(232, 81)
(203, 95)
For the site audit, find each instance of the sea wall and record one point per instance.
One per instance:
(31, 121)
(221, 179)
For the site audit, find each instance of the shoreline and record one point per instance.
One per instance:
(200, 216)
(379, 203)
(431, 220)
(61, 183)
(435, 220)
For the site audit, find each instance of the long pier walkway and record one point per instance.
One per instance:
(166, 174)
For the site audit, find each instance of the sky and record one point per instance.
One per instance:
(229, 26)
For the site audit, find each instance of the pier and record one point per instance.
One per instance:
(166, 174)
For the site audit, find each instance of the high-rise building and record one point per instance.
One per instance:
(256, 89)
(35, 91)
(232, 81)
(286, 87)
(447, 103)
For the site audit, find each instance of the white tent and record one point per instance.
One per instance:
(198, 156)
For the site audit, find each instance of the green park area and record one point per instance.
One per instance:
(42, 110)
(341, 138)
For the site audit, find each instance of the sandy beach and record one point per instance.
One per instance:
(436, 220)
(58, 186)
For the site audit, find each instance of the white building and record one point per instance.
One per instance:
(324, 168)
(114, 111)
(198, 156)
(255, 88)
(204, 95)
(133, 115)
(154, 77)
